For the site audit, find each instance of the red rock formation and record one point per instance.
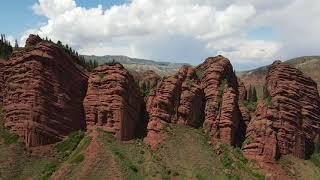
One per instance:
(222, 115)
(242, 98)
(177, 99)
(43, 94)
(113, 101)
(2, 63)
(288, 123)
(33, 40)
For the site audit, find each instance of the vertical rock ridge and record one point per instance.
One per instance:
(222, 114)
(288, 123)
(113, 101)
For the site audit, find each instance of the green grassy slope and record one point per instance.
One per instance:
(186, 154)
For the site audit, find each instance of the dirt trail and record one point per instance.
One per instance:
(98, 163)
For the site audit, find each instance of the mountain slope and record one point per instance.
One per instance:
(309, 65)
(139, 65)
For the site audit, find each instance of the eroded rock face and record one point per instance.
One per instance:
(43, 94)
(177, 99)
(246, 117)
(113, 101)
(223, 119)
(2, 63)
(205, 96)
(32, 40)
(289, 122)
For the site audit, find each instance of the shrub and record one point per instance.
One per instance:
(10, 138)
(225, 160)
(189, 82)
(198, 74)
(315, 158)
(70, 143)
(77, 158)
(252, 106)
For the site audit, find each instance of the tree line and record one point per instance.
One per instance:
(79, 59)
(5, 47)
(252, 94)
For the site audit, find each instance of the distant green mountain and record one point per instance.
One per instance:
(309, 65)
(139, 65)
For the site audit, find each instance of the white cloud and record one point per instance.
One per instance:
(52, 8)
(160, 29)
(245, 51)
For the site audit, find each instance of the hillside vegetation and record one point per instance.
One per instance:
(186, 154)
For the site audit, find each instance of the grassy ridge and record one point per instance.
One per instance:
(185, 154)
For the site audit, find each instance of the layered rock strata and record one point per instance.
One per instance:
(177, 99)
(2, 63)
(42, 94)
(205, 96)
(113, 101)
(289, 121)
(223, 119)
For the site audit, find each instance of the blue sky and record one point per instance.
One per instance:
(249, 33)
(18, 16)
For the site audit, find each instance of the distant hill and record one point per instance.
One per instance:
(309, 65)
(139, 65)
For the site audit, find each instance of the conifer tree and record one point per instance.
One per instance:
(250, 94)
(254, 95)
(16, 45)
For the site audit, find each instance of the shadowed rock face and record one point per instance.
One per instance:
(177, 99)
(113, 101)
(207, 95)
(288, 123)
(43, 94)
(223, 119)
(246, 117)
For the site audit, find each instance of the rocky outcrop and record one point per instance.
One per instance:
(223, 119)
(43, 93)
(205, 96)
(113, 101)
(2, 63)
(32, 40)
(289, 121)
(177, 99)
(246, 117)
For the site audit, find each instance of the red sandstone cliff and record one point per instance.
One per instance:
(223, 119)
(42, 94)
(113, 101)
(2, 63)
(177, 99)
(288, 123)
(207, 94)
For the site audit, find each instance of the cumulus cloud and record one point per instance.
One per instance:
(53, 8)
(243, 50)
(163, 29)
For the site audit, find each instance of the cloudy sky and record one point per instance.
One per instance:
(250, 33)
